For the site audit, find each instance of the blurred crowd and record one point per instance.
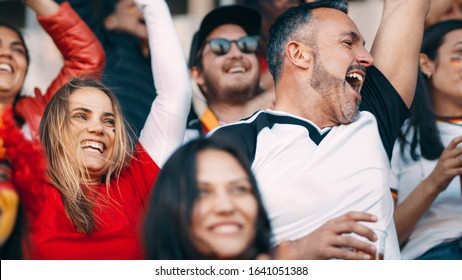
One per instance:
(281, 136)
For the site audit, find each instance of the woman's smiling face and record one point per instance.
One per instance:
(92, 126)
(224, 216)
(13, 64)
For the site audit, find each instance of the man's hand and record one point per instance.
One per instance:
(333, 240)
(42, 7)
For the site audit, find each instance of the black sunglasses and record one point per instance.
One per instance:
(221, 46)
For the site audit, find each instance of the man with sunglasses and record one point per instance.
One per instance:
(322, 156)
(225, 67)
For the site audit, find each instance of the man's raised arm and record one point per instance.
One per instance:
(396, 46)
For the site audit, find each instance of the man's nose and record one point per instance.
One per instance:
(364, 58)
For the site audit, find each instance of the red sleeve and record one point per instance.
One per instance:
(81, 50)
(82, 53)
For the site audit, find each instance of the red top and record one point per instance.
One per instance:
(50, 233)
(82, 54)
(53, 236)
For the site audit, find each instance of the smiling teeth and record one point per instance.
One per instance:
(239, 69)
(355, 76)
(95, 145)
(6, 67)
(226, 229)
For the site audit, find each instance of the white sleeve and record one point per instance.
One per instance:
(165, 125)
(395, 167)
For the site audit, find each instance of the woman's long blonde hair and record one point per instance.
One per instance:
(65, 166)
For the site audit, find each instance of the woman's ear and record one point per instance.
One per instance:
(110, 23)
(427, 66)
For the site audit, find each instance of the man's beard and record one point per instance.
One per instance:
(235, 94)
(332, 89)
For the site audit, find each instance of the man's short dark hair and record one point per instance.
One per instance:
(286, 28)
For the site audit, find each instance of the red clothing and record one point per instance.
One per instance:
(82, 53)
(53, 236)
(50, 234)
(262, 63)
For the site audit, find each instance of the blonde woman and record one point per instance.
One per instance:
(90, 204)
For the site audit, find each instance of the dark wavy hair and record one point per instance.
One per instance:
(288, 27)
(421, 129)
(168, 218)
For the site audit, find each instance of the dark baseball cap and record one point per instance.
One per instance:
(246, 17)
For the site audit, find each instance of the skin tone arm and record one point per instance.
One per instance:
(43, 7)
(440, 9)
(397, 44)
(411, 210)
(332, 240)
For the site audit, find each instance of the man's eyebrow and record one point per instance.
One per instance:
(355, 36)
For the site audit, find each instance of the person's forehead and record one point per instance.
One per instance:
(228, 31)
(6, 32)
(220, 167)
(453, 37)
(334, 23)
(332, 17)
(90, 98)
